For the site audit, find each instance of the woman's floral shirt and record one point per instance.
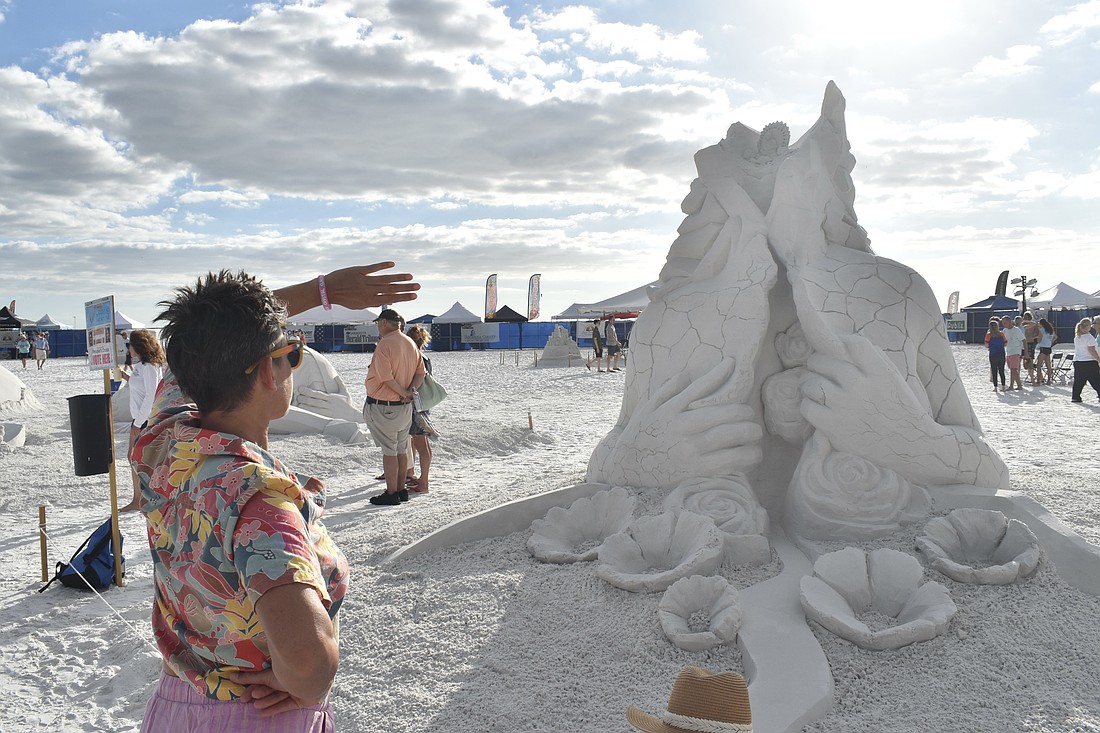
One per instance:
(227, 522)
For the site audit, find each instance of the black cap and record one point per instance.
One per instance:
(389, 315)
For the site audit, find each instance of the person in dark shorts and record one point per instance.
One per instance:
(611, 341)
(597, 346)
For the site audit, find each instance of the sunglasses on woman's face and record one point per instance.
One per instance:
(292, 351)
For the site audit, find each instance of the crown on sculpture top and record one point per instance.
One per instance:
(775, 139)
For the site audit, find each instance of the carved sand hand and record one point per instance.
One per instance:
(863, 406)
(688, 428)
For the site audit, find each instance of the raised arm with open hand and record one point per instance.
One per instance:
(353, 287)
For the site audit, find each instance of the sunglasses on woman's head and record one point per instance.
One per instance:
(292, 351)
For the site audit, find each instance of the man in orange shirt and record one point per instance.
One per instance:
(395, 373)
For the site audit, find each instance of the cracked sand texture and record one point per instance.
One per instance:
(771, 270)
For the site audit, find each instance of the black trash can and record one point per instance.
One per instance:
(93, 441)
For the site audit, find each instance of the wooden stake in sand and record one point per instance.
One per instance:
(116, 538)
(42, 541)
(530, 421)
(103, 354)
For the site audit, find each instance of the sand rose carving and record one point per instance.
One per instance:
(782, 397)
(980, 546)
(654, 552)
(886, 584)
(735, 510)
(575, 534)
(837, 493)
(792, 347)
(700, 613)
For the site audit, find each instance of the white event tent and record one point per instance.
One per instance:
(632, 301)
(338, 314)
(1059, 296)
(123, 322)
(46, 323)
(457, 313)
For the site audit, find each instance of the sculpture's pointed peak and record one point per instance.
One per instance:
(832, 106)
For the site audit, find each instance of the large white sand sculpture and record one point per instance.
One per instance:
(320, 404)
(778, 349)
(15, 396)
(780, 357)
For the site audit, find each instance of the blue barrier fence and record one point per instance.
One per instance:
(448, 336)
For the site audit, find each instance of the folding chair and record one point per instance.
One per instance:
(1063, 367)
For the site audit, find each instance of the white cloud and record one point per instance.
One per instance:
(232, 199)
(646, 41)
(420, 122)
(194, 219)
(1069, 26)
(1085, 186)
(888, 95)
(1014, 63)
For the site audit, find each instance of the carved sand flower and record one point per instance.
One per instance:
(654, 552)
(699, 612)
(792, 347)
(836, 493)
(851, 592)
(782, 397)
(980, 546)
(730, 502)
(575, 534)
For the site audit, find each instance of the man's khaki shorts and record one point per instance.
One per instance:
(389, 426)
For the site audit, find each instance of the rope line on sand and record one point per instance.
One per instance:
(132, 628)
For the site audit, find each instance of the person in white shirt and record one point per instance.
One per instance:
(41, 349)
(1014, 349)
(1086, 360)
(148, 362)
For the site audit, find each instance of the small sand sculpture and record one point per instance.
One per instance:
(575, 534)
(886, 584)
(699, 613)
(654, 552)
(980, 546)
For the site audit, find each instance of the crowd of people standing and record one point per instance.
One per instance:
(1021, 343)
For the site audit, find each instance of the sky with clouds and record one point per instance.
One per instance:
(142, 144)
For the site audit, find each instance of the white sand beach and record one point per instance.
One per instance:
(483, 637)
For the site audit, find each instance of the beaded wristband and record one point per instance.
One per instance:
(324, 293)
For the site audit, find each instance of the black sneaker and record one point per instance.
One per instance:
(1076, 400)
(403, 495)
(386, 499)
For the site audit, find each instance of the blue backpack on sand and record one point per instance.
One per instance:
(95, 560)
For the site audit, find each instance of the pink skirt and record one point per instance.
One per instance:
(176, 707)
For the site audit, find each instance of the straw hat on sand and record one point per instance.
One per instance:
(701, 702)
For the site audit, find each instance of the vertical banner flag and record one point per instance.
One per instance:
(533, 296)
(491, 296)
(953, 303)
(1002, 283)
